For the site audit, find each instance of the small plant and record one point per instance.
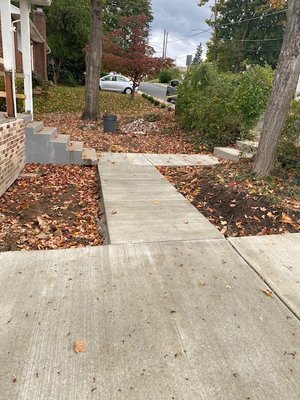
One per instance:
(152, 117)
(156, 102)
(163, 105)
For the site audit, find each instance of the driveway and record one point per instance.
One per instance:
(154, 89)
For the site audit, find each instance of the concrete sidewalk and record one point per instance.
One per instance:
(277, 260)
(168, 310)
(181, 320)
(168, 160)
(142, 206)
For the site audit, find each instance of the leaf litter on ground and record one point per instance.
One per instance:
(51, 207)
(237, 203)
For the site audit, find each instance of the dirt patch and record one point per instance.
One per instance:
(51, 207)
(235, 207)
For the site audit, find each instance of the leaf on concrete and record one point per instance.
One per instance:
(267, 292)
(80, 346)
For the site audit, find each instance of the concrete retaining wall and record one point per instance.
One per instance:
(12, 152)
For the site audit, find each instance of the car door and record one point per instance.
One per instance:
(106, 82)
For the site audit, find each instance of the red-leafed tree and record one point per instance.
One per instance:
(127, 51)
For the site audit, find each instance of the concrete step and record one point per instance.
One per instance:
(75, 146)
(89, 156)
(247, 145)
(231, 154)
(34, 127)
(227, 153)
(50, 133)
(45, 145)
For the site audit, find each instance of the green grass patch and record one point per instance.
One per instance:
(62, 99)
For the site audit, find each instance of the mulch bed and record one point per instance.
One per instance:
(51, 207)
(159, 136)
(236, 207)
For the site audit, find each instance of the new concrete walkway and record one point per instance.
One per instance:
(142, 206)
(169, 310)
(169, 160)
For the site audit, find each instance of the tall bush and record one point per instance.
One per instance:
(222, 106)
(168, 74)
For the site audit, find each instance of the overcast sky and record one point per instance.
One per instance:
(180, 18)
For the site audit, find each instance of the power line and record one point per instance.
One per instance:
(251, 40)
(251, 19)
(254, 18)
(186, 37)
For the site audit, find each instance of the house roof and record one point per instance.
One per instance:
(34, 33)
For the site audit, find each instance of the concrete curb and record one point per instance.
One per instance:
(166, 103)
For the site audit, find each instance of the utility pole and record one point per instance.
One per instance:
(165, 44)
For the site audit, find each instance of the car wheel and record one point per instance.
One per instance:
(128, 91)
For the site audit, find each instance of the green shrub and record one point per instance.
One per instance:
(156, 102)
(289, 144)
(222, 106)
(168, 74)
(67, 79)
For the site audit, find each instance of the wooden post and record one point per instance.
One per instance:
(8, 56)
(26, 54)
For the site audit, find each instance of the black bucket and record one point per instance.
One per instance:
(110, 123)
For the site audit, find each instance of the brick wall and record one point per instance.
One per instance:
(39, 49)
(12, 152)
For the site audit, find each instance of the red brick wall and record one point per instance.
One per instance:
(12, 152)
(39, 50)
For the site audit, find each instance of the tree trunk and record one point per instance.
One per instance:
(284, 88)
(93, 64)
(56, 64)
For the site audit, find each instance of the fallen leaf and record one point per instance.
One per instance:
(267, 292)
(114, 212)
(80, 346)
(286, 219)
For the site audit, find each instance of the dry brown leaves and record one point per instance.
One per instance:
(51, 207)
(167, 137)
(235, 207)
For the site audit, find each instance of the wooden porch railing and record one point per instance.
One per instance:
(8, 93)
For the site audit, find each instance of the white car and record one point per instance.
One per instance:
(116, 83)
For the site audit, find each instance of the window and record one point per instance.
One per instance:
(106, 78)
(122, 79)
